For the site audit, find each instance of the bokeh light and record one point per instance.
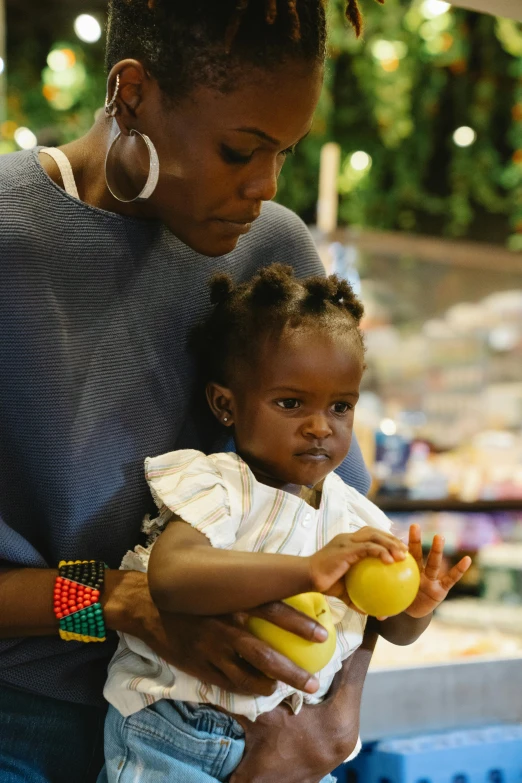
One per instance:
(61, 59)
(388, 427)
(360, 161)
(25, 138)
(389, 50)
(464, 136)
(65, 77)
(87, 28)
(432, 8)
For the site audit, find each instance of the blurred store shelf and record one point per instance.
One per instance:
(407, 506)
(454, 253)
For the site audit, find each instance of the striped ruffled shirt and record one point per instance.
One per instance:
(220, 496)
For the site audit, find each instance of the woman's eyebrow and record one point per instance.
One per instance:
(265, 136)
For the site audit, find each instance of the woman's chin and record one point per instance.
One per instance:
(220, 248)
(210, 246)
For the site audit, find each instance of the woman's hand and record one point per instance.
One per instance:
(434, 585)
(293, 748)
(305, 748)
(218, 650)
(330, 564)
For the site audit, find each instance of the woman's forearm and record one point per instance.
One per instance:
(26, 601)
(206, 581)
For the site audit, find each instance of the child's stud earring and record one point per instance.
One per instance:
(225, 420)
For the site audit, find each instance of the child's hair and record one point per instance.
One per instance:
(187, 43)
(245, 314)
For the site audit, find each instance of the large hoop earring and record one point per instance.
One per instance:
(154, 168)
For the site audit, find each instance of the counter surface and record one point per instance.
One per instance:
(450, 678)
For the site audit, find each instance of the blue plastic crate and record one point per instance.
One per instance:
(355, 771)
(486, 755)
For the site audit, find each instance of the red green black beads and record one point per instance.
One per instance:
(76, 600)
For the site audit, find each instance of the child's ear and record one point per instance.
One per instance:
(221, 401)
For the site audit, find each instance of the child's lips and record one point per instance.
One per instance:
(314, 455)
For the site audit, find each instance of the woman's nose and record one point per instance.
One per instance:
(317, 427)
(261, 184)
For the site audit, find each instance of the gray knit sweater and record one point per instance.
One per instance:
(95, 310)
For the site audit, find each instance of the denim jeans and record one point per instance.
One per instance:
(172, 741)
(43, 740)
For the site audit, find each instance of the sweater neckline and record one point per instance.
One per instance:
(104, 213)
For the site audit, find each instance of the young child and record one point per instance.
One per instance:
(283, 361)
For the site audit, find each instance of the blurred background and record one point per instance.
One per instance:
(432, 95)
(411, 182)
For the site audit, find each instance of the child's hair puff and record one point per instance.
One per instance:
(274, 299)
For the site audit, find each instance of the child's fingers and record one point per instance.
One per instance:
(356, 551)
(397, 548)
(368, 533)
(456, 573)
(434, 559)
(415, 545)
(372, 549)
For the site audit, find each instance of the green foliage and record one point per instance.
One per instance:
(399, 94)
(26, 102)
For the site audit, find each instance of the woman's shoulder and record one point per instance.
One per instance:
(17, 172)
(281, 227)
(280, 236)
(277, 214)
(23, 194)
(20, 205)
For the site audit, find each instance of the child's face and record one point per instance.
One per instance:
(293, 413)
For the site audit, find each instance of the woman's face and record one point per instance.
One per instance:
(221, 154)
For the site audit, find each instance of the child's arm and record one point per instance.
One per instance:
(406, 628)
(186, 574)
(401, 629)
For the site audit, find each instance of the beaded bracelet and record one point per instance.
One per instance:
(76, 600)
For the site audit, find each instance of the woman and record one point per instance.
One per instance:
(103, 272)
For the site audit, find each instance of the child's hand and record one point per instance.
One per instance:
(434, 586)
(330, 564)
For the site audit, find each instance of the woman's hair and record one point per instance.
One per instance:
(186, 43)
(246, 314)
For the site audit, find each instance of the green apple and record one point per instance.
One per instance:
(311, 656)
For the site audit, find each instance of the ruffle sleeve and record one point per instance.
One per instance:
(188, 484)
(366, 511)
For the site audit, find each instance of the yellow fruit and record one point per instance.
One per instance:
(311, 656)
(383, 589)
